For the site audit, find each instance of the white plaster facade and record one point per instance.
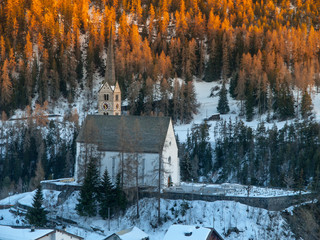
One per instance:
(148, 163)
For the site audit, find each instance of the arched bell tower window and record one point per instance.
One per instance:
(106, 97)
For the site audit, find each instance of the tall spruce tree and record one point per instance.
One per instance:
(284, 103)
(250, 99)
(120, 195)
(223, 105)
(306, 105)
(107, 196)
(87, 205)
(185, 169)
(37, 214)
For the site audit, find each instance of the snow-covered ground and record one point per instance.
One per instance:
(227, 217)
(208, 107)
(26, 199)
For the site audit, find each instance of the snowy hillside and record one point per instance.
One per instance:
(231, 220)
(208, 107)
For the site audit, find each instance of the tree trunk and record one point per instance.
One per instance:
(159, 188)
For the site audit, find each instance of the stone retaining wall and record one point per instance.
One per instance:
(269, 203)
(52, 185)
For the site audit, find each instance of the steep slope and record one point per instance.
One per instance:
(304, 221)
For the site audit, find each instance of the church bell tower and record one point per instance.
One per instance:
(109, 95)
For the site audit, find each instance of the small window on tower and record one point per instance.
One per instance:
(105, 97)
(117, 97)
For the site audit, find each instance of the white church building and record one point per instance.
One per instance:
(129, 145)
(135, 147)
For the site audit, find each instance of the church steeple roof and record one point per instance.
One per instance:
(110, 76)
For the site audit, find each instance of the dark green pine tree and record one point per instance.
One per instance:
(223, 105)
(87, 205)
(285, 103)
(107, 196)
(233, 84)
(249, 103)
(214, 66)
(186, 168)
(37, 214)
(201, 151)
(306, 105)
(120, 196)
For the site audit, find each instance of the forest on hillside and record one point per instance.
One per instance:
(36, 149)
(263, 48)
(286, 157)
(265, 54)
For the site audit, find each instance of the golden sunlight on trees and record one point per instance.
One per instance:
(51, 48)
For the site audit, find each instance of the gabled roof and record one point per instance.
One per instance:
(106, 84)
(133, 233)
(187, 232)
(10, 233)
(62, 232)
(125, 133)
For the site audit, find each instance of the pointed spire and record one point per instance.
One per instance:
(110, 76)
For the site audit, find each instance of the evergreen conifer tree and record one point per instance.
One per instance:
(185, 169)
(120, 196)
(107, 196)
(233, 84)
(306, 105)
(87, 205)
(249, 103)
(285, 103)
(316, 181)
(201, 148)
(213, 68)
(37, 214)
(223, 105)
